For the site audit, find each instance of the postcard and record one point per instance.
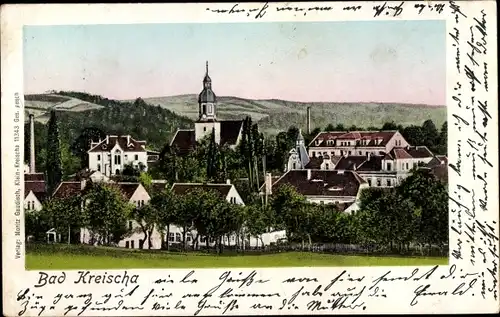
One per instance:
(301, 158)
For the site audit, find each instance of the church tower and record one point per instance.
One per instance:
(207, 104)
(207, 100)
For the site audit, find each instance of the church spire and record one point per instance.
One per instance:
(207, 81)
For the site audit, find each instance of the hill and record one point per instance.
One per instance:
(278, 115)
(78, 111)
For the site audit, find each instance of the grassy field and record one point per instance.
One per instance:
(62, 257)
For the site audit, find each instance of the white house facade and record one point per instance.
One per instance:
(340, 143)
(111, 155)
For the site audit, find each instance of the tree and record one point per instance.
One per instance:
(430, 198)
(53, 162)
(106, 213)
(64, 214)
(431, 133)
(390, 126)
(165, 205)
(70, 163)
(82, 143)
(36, 224)
(287, 204)
(329, 127)
(146, 217)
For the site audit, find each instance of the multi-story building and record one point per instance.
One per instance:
(111, 155)
(340, 143)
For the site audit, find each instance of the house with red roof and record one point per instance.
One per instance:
(35, 191)
(226, 132)
(111, 155)
(322, 186)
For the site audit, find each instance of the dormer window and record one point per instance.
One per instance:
(104, 146)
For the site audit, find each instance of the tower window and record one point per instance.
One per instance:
(204, 129)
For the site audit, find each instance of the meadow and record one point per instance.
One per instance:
(68, 257)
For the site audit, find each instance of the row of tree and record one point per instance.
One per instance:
(414, 213)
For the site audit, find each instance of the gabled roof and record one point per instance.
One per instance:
(184, 188)
(322, 182)
(351, 162)
(68, 189)
(37, 187)
(419, 151)
(229, 131)
(126, 143)
(127, 189)
(400, 153)
(34, 177)
(184, 140)
(371, 137)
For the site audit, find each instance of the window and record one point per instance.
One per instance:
(204, 129)
(210, 109)
(136, 157)
(117, 171)
(203, 239)
(204, 109)
(294, 166)
(130, 225)
(233, 238)
(178, 237)
(349, 152)
(369, 182)
(171, 237)
(360, 152)
(332, 153)
(414, 164)
(341, 152)
(98, 167)
(125, 158)
(379, 182)
(127, 244)
(118, 159)
(314, 154)
(98, 157)
(327, 166)
(407, 166)
(188, 237)
(132, 244)
(388, 183)
(142, 203)
(389, 166)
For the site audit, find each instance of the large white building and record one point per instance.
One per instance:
(226, 132)
(111, 155)
(340, 143)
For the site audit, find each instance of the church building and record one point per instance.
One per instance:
(226, 131)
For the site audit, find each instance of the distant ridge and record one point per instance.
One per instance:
(277, 115)
(273, 115)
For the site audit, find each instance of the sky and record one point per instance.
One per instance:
(372, 61)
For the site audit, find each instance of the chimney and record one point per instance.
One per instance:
(308, 174)
(228, 181)
(32, 144)
(269, 184)
(368, 156)
(128, 140)
(83, 183)
(309, 120)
